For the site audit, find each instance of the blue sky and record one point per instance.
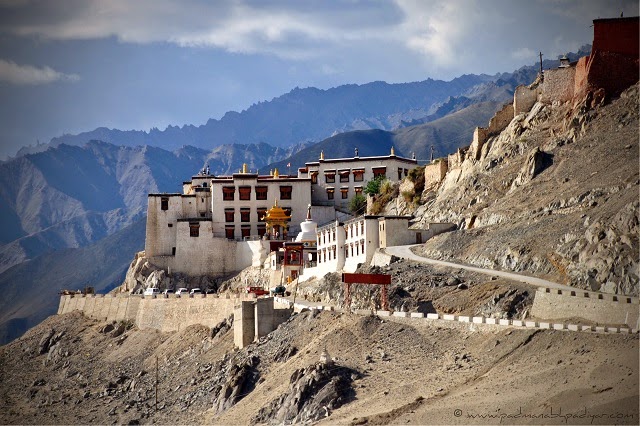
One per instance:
(68, 66)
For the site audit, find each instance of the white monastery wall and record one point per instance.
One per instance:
(349, 175)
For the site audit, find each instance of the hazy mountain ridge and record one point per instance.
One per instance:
(30, 289)
(446, 134)
(300, 116)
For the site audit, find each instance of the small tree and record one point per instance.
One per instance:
(373, 186)
(357, 204)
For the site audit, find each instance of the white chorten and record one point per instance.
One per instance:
(308, 229)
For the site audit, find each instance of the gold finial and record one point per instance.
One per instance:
(322, 155)
(244, 167)
(393, 151)
(276, 173)
(276, 203)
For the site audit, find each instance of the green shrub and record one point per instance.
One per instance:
(373, 186)
(358, 204)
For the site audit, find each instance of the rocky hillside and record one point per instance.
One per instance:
(555, 194)
(320, 367)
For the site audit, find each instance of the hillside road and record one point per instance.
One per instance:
(406, 253)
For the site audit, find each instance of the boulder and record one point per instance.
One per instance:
(313, 393)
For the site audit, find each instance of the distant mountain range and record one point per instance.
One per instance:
(60, 199)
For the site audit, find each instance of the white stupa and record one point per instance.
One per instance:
(308, 231)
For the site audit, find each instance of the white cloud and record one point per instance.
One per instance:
(441, 37)
(329, 70)
(524, 54)
(13, 73)
(295, 30)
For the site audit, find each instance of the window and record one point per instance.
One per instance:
(345, 193)
(406, 172)
(164, 203)
(170, 225)
(229, 215)
(314, 177)
(194, 229)
(262, 229)
(358, 175)
(324, 238)
(329, 193)
(399, 173)
(346, 251)
(333, 233)
(287, 211)
(285, 192)
(173, 251)
(262, 212)
(344, 176)
(245, 230)
(362, 246)
(245, 193)
(362, 228)
(356, 226)
(245, 215)
(334, 251)
(330, 177)
(351, 250)
(229, 232)
(351, 228)
(379, 171)
(261, 192)
(228, 193)
(358, 190)
(204, 184)
(357, 250)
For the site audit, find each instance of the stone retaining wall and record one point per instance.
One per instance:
(171, 313)
(596, 307)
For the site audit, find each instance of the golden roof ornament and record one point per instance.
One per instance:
(276, 215)
(393, 151)
(276, 173)
(322, 155)
(244, 168)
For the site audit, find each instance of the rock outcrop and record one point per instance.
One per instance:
(313, 393)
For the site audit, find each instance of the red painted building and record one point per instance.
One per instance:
(618, 35)
(613, 64)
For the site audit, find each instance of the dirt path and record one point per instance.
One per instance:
(406, 253)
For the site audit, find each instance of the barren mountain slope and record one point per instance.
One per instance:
(555, 194)
(70, 369)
